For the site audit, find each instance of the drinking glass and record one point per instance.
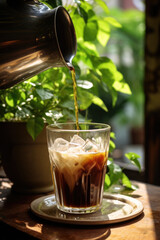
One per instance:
(78, 161)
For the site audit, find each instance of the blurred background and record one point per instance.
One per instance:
(126, 49)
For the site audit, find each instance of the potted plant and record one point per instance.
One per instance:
(48, 98)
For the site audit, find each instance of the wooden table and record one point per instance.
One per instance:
(17, 221)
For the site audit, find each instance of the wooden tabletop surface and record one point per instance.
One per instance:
(16, 219)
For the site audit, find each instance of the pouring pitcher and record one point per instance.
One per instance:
(33, 38)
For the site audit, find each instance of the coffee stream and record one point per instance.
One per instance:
(73, 74)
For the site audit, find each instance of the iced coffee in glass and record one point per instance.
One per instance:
(78, 163)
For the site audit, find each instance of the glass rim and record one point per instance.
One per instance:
(103, 127)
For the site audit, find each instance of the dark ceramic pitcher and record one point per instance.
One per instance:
(33, 38)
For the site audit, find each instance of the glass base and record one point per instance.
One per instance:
(74, 210)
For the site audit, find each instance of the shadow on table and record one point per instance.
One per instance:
(20, 216)
(18, 221)
(7, 233)
(75, 232)
(79, 232)
(61, 231)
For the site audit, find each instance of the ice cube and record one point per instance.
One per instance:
(75, 148)
(98, 142)
(89, 146)
(77, 140)
(61, 145)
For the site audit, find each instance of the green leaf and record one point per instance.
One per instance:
(103, 32)
(114, 95)
(90, 49)
(125, 181)
(44, 95)
(112, 135)
(133, 157)
(90, 31)
(35, 126)
(13, 98)
(69, 104)
(103, 37)
(122, 87)
(8, 115)
(85, 99)
(113, 22)
(103, 25)
(112, 146)
(82, 13)
(9, 100)
(115, 172)
(23, 95)
(107, 182)
(111, 77)
(97, 101)
(103, 5)
(78, 21)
